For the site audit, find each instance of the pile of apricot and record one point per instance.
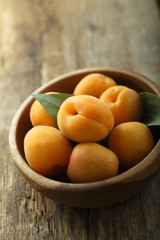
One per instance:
(99, 109)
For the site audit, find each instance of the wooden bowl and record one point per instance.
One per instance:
(88, 195)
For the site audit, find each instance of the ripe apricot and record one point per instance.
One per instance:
(90, 162)
(124, 102)
(93, 84)
(131, 142)
(84, 118)
(39, 116)
(47, 150)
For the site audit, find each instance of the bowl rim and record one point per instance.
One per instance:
(63, 186)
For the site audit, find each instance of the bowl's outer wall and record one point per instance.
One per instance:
(92, 195)
(92, 198)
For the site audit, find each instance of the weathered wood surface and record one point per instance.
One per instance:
(39, 40)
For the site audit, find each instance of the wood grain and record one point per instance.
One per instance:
(40, 40)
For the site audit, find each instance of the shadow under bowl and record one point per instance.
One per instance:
(87, 195)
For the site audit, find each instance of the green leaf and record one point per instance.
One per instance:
(150, 109)
(52, 103)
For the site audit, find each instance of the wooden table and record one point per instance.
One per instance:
(40, 40)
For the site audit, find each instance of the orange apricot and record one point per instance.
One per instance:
(93, 84)
(47, 150)
(39, 116)
(90, 162)
(84, 118)
(124, 102)
(131, 142)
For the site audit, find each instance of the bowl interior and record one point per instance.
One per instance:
(66, 84)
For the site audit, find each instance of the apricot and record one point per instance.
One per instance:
(47, 150)
(90, 162)
(84, 118)
(124, 102)
(39, 116)
(93, 84)
(131, 142)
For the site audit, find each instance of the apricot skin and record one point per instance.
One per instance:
(131, 142)
(90, 162)
(47, 151)
(39, 116)
(94, 84)
(124, 102)
(85, 118)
